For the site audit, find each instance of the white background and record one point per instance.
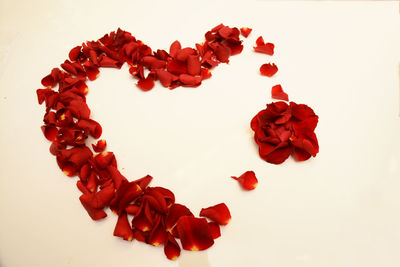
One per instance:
(339, 209)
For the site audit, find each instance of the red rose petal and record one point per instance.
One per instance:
(260, 41)
(146, 84)
(167, 194)
(165, 77)
(171, 247)
(245, 31)
(132, 209)
(218, 213)
(105, 159)
(175, 212)
(268, 49)
(190, 80)
(143, 220)
(116, 176)
(193, 65)
(91, 126)
(153, 63)
(214, 229)
(50, 132)
(105, 61)
(176, 67)
(99, 199)
(95, 214)
(126, 193)
(144, 181)
(277, 156)
(174, 48)
(74, 53)
(278, 93)
(222, 53)
(268, 69)
(123, 228)
(247, 180)
(183, 54)
(194, 233)
(100, 145)
(157, 235)
(51, 79)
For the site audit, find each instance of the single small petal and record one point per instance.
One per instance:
(171, 248)
(214, 229)
(268, 49)
(194, 233)
(123, 228)
(190, 80)
(95, 214)
(268, 69)
(218, 213)
(50, 132)
(245, 31)
(247, 180)
(278, 93)
(100, 145)
(146, 84)
(74, 53)
(174, 48)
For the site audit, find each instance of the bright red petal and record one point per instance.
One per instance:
(194, 233)
(175, 212)
(214, 229)
(247, 180)
(146, 84)
(278, 93)
(218, 213)
(123, 228)
(245, 31)
(268, 69)
(171, 247)
(100, 145)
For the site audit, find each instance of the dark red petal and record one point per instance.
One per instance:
(278, 93)
(171, 247)
(95, 214)
(140, 235)
(51, 79)
(277, 156)
(174, 48)
(79, 109)
(167, 194)
(193, 65)
(82, 188)
(99, 199)
(100, 145)
(74, 53)
(123, 228)
(146, 84)
(175, 212)
(116, 176)
(132, 209)
(157, 235)
(222, 53)
(105, 61)
(190, 80)
(205, 73)
(218, 213)
(105, 159)
(225, 32)
(194, 233)
(245, 31)
(93, 127)
(91, 184)
(301, 111)
(176, 67)
(300, 155)
(142, 221)
(50, 132)
(247, 180)
(144, 181)
(214, 229)
(127, 192)
(84, 172)
(268, 69)
(268, 49)
(153, 63)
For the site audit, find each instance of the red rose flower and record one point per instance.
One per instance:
(281, 130)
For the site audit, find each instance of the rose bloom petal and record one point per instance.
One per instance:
(105, 159)
(165, 77)
(171, 248)
(95, 214)
(268, 69)
(50, 132)
(132, 209)
(123, 228)
(146, 84)
(52, 79)
(74, 53)
(174, 48)
(247, 180)
(167, 194)
(176, 67)
(143, 220)
(157, 235)
(214, 229)
(190, 80)
(245, 31)
(99, 146)
(126, 193)
(175, 212)
(193, 65)
(218, 213)
(144, 181)
(277, 156)
(278, 93)
(116, 176)
(91, 126)
(194, 233)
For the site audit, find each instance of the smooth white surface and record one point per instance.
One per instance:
(339, 209)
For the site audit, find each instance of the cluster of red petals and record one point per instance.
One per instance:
(147, 214)
(248, 180)
(283, 129)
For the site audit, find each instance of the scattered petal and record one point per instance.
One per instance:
(278, 93)
(218, 213)
(247, 180)
(268, 69)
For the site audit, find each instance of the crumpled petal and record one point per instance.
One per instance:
(268, 69)
(99, 146)
(278, 93)
(175, 212)
(171, 248)
(218, 213)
